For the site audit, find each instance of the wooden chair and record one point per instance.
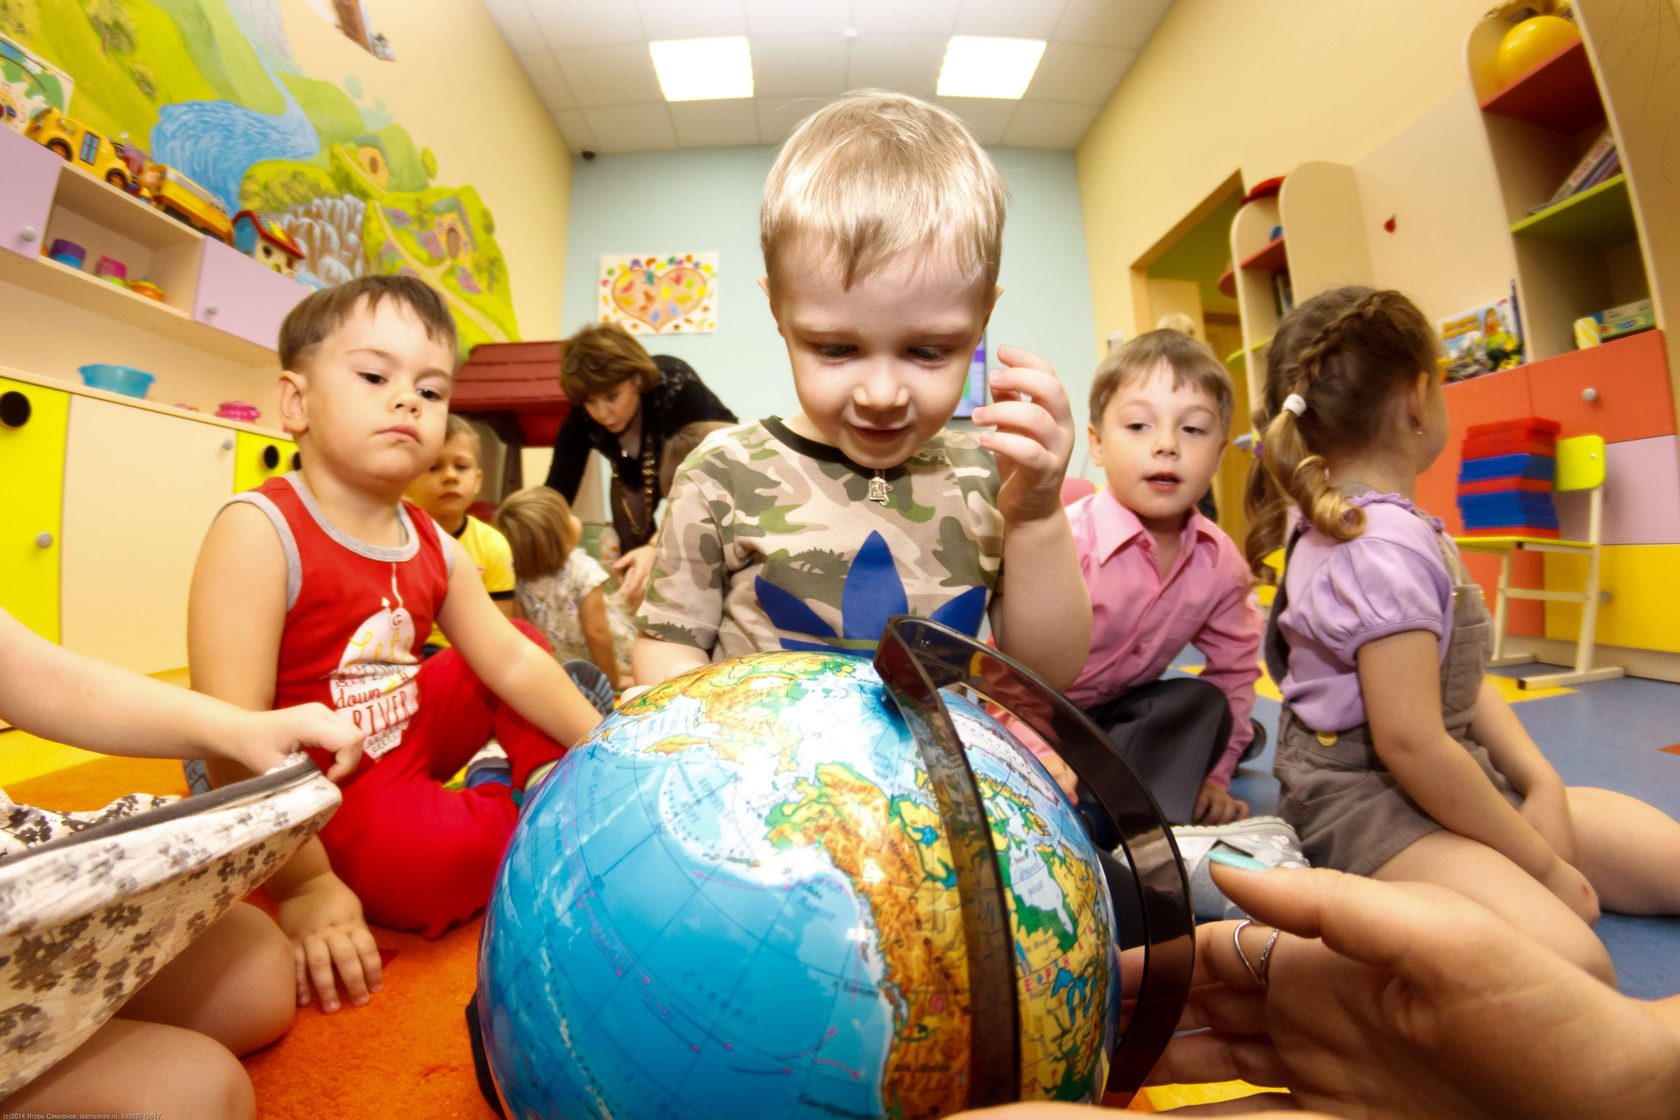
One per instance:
(1580, 466)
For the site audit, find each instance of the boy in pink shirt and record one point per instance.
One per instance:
(1162, 576)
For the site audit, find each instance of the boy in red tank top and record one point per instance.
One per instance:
(321, 586)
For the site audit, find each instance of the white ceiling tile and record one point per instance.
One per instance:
(908, 64)
(513, 18)
(621, 75)
(685, 19)
(715, 124)
(1110, 23)
(807, 66)
(1043, 124)
(575, 130)
(587, 23)
(544, 72)
(905, 17)
(1020, 19)
(777, 116)
(798, 17)
(1079, 75)
(987, 117)
(631, 128)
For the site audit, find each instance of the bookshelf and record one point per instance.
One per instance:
(1322, 245)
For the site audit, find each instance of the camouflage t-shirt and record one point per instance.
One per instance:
(771, 542)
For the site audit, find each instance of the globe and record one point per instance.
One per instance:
(735, 900)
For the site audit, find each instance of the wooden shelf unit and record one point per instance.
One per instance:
(1322, 245)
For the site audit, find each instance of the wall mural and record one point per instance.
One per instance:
(212, 88)
(671, 293)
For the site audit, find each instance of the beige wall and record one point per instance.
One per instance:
(1258, 88)
(458, 89)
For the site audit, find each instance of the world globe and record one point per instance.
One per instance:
(736, 899)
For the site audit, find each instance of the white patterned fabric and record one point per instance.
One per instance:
(93, 904)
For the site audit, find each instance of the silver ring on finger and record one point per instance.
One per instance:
(1262, 972)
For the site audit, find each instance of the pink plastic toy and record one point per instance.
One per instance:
(238, 410)
(109, 268)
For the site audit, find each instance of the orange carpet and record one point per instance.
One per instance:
(404, 1054)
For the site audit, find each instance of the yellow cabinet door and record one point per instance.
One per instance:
(32, 423)
(140, 490)
(261, 458)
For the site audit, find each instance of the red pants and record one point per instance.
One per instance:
(421, 857)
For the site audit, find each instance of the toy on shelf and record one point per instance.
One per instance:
(67, 252)
(1603, 326)
(146, 288)
(1482, 339)
(72, 141)
(1530, 43)
(117, 379)
(28, 85)
(175, 194)
(1505, 478)
(238, 410)
(260, 238)
(110, 268)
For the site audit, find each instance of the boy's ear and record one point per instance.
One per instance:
(1093, 440)
(293, 413)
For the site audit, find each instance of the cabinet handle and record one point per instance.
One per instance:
(14, 409)
(28, 233)
(43, 540)
(211, 309)
(1589, 394)
(227, 445)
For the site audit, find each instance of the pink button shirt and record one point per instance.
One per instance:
(1140, 621)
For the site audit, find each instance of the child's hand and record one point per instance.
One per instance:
(633, 569)
(323, 918)
(1547, 809)
(262, 740)
(1033, 440)
(1566, 881)
(1215, 805)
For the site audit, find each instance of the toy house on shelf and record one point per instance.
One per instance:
(266, 242)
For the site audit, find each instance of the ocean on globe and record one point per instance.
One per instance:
(735, 900)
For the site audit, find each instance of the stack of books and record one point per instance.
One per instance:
(1505, 479)
(1600, 163)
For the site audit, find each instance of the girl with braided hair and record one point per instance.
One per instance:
(1396, 757)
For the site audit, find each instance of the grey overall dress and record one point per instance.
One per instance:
(1350, 812)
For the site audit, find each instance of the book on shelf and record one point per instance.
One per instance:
(1483, 338)
(1582, 175)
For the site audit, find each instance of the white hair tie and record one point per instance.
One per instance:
(1295, 403)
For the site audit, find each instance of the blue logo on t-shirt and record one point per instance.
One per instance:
(872, 594)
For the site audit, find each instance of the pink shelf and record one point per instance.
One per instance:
(1559, 94)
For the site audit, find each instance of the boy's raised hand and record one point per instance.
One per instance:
(1033, 436)
(260, 741)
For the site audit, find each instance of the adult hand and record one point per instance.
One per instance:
(1414, 1002)
(633, 569)
(1215, 805)
(1033, 440)
(323, 918)
(260, 741)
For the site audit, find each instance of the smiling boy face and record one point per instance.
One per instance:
(1159, 446)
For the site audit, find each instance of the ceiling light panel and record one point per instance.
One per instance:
(703, 69)
(982, 66)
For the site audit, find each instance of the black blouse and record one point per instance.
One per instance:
(678, 399)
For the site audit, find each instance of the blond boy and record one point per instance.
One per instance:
(882, 227)
(318, 585)
(447, 491)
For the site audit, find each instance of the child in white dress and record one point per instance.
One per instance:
(562, 590)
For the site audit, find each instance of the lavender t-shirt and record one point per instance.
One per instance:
(1388, 580)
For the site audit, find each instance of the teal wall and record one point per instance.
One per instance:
(707, 200)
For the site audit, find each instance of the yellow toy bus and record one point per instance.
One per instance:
(185, 201)
(73, 142)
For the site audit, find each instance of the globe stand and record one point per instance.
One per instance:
(916, 658)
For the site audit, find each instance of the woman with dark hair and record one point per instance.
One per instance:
(628, 404)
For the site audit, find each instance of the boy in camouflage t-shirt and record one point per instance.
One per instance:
(882, 224)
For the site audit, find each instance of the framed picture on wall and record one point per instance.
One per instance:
(974, 389)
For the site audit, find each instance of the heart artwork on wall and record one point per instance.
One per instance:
(648, 293)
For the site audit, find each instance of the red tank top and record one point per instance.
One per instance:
(355, 613)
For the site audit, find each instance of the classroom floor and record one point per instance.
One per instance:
(1622, 735)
